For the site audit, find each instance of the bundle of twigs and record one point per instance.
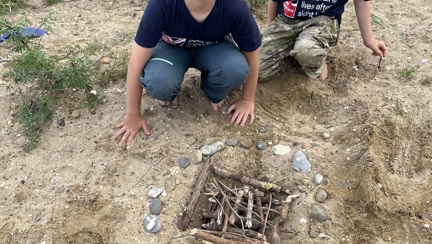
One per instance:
(236, 214)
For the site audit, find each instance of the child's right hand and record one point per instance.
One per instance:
(130, 127)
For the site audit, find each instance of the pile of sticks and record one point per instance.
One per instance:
(236, 214)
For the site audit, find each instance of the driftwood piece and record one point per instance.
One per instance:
(215, 239)
(190, 209)
(280, 220)
(248, 232)
(249, 181)
(249, 210)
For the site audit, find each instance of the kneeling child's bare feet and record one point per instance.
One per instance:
(324, 72)
(175, 104)
(217, 106)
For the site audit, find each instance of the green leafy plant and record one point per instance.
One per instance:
(398, 108)
(39, 78)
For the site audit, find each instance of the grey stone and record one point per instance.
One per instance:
(246, 143)
(61, 122)
(231, 142)
(155, 206)
(318, 212)
(184, 162)
(196, 156)
(321, 196)
(313, 231)
(260, 145)
(209, 150)
(170, 183)
(301, 163)
(152, 224)
(262, 130)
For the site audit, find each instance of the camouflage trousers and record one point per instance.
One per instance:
(288, 41)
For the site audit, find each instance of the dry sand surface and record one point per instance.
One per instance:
(79, 186)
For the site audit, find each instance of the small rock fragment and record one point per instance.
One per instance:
(260, 145)
(318, 212)
(318, 178)
(209, 150)
(326, 135)
(196, 156)
(245, 143)
(184, 162)
(170, 183)
(76, 114)
(281, 150)
(231, 142)
(155, 206)
(154, 192)
(301, 163)
(321, 196)
(152, 224)
(61, 122)
(313, 231)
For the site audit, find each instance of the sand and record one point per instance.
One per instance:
(79, 186)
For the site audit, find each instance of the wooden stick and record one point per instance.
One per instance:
(259, 207)
(214, 239)
(267, 215)
(280, 220)
(249, 181)
(249, 233)
(249, 210)
(190, 209)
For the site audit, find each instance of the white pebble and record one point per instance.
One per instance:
(303, 220)
(426, 225)
(322, 235)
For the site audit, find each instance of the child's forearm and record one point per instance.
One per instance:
(138, 60)
(362, 9)
(272, 8)
(249, 87)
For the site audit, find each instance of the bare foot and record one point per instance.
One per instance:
(175, 104)
(324, 72)
(217, 106)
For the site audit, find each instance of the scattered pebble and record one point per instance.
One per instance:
(154, 192)
(76, 114)
(245, 143)
(303, 221)
(170, 183)
(184, 162)
(196, 156)
(313, 231)
(104, 60)
(155, 206)
(326, 135)
(152, 224)
(301, 163)
(318, 212)
(262, 130)
(425, 60)
(322, 235)
(260, 145)
(209, 150)
(321, 196)
(426, 225)
(164, 239)
(281, 150)
(231, 142)
(318, 178)
(61, 122)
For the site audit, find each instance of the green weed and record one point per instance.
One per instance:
(407, 73)
(398, 108)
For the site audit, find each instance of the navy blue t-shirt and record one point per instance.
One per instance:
(172, 21)
(307, 9)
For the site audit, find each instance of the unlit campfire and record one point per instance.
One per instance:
(236, 213)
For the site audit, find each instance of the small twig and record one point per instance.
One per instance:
(249, 210)
(190, 209)
(259, 206)
(267, 215)
(6, 60)
(379, 63)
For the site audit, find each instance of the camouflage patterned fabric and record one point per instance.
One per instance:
(287, 41)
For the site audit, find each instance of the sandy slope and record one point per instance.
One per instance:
(377, 163)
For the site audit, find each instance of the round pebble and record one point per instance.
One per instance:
(152, 224)
(209, 150)
(184, 162)
(318, 212)
(170, 183)
(318, 178)
(245, 143)
(196, 156)
(76, 114)
(155, 206)
(231, 142)
(260, 145)
(321, 196)
(301, 163)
